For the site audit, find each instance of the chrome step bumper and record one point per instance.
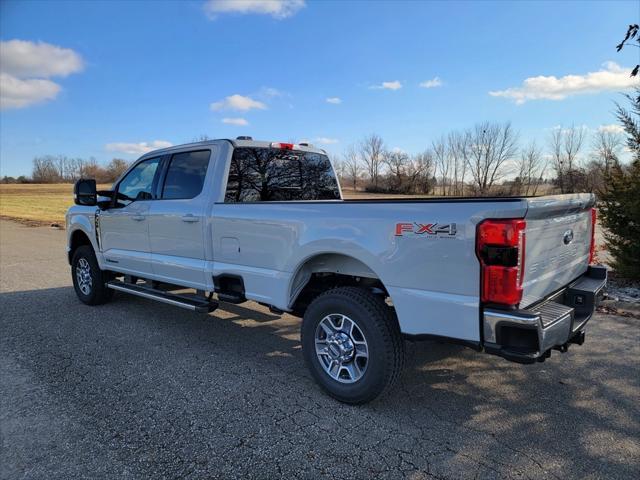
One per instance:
(526, 336)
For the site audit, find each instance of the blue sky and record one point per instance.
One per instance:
(112, 79)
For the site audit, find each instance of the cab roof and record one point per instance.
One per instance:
(237, 142)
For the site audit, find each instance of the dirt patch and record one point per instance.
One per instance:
(619, 309)
(33, 223)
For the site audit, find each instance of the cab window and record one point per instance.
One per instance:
(138, 183)
(185, 175)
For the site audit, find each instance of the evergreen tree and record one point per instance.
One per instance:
(621, 198)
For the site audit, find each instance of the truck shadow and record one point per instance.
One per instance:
(453, 410)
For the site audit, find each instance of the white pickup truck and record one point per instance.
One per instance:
(236, 220)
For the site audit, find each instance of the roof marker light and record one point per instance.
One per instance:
(282, 146)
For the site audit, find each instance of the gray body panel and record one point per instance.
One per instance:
(433, 280)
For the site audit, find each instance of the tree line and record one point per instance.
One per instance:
(486, 159)
(62, 169)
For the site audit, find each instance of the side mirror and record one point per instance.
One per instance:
(84, 192)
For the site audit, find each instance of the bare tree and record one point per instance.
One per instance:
(492, 146)
(458, 149)
(352, 165)
(45, 170)
(565, 146)
(397, 162)
(340, 168)
(573, 140)
(606, 148)
(203, 137)
(420, 169)
(58, 169)
(61, 164)
(116, 167)
(531, 169)
(604, 157)
(555, 151)
(74, 169)
(442, 161)
(371, 149)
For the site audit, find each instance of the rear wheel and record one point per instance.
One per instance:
(88, 280)
(352, 344)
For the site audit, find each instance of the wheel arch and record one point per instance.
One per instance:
(325, 270)
(77, 238)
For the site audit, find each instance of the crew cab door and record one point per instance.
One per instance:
(176, 220)
(124, 228)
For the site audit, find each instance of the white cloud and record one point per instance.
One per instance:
(271, 92)
(334, 100)
(137, 148)
(613, 128)
(278, 9)
(238, 102)
(17, 93)
(611, 77)
(433, 83)
(25, 68)
(235, 121)
(326, 141)
(395, 85)
(23, 59)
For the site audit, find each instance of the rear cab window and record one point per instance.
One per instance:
(259, 174)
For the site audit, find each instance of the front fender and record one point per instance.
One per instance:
(82, 219)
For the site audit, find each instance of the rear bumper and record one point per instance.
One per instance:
(526, 336)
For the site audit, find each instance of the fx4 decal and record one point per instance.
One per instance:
(425, 229)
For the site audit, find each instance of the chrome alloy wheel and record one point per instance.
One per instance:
(83, 276)
(341, 348)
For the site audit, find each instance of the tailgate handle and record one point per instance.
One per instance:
(189, 217)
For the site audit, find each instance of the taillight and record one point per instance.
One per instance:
(592, 248)
(500, 246)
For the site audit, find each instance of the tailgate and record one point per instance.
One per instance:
(558, 241)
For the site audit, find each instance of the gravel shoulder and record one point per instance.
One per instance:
(135, 389)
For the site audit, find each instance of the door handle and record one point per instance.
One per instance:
(138, 218)
(189, 217)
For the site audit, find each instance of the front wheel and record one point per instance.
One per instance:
(352, 344)
(88, 280)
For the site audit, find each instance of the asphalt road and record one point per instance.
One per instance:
(135, 389)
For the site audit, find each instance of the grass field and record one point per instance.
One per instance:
(39, 204)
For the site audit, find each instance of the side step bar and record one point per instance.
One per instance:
(194, 304)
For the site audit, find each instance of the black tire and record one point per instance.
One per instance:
(97, 293)
(379, 326)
